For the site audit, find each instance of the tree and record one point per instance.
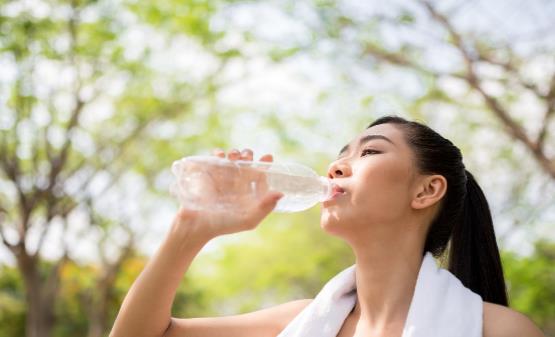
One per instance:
(98, 301)
(82, 111)
(492, 72)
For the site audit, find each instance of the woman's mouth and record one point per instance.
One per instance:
(336, 189)
(336, 192)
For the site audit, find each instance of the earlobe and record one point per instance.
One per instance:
(430, 191)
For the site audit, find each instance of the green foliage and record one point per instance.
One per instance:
(406, 18)
(182, 17)
(288, 257)
(12, 308)
(221, 282)
(531, 283)
(61, 131)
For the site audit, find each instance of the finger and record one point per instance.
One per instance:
(267, 157)
(246, 154)
(218, 153)
(233, 154)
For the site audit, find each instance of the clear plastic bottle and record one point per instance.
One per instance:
(210, 182)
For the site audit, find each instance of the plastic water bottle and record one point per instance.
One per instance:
(214, 183)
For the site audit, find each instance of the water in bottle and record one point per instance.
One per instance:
(210, 182)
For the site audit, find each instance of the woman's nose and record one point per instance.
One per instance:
(338, 170)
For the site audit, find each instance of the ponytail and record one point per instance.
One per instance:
(474, 256)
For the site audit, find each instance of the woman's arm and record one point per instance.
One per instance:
(146, 310)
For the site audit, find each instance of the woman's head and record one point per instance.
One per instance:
(394, 171)
(407, 185)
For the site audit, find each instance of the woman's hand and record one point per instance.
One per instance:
(249, 208)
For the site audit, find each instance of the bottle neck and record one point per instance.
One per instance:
(327, 189)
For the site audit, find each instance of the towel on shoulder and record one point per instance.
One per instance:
(441, 306)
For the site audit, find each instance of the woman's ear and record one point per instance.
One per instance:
(429, 191)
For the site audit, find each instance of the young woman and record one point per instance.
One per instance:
(405, 192)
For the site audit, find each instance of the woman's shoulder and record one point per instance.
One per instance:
(501, 321)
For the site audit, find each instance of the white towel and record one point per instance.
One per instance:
(441, 307)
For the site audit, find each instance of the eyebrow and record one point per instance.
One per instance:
(364, 140)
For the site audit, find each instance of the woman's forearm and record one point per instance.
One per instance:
(146, 309)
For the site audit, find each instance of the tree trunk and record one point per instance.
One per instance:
(101, 299)
(40, 304)
(98, 317)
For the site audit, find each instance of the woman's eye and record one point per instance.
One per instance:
(369, 151)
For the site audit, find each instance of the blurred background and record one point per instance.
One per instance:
(99, 97)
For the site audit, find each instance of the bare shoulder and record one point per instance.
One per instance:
(500, 321)
(266, 322)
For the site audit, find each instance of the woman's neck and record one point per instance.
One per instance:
(385, 278)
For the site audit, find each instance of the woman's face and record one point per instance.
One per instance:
(377, 173)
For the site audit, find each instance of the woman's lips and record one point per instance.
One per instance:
(337, 191)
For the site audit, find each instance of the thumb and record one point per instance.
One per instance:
(264, 207)
(270, 200)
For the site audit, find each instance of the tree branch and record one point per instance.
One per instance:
(3, 153)
(58, 161)
(493, 104)
(511, 69)
(10, 165)
(63, 206)
(45, 229)
(3, 213)
(51, 284)
(549, 113)
(397, 59)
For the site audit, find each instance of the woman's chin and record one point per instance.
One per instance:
(330, 222)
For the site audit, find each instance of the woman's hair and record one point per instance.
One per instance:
(464, 219)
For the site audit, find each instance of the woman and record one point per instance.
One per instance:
(405, 192)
